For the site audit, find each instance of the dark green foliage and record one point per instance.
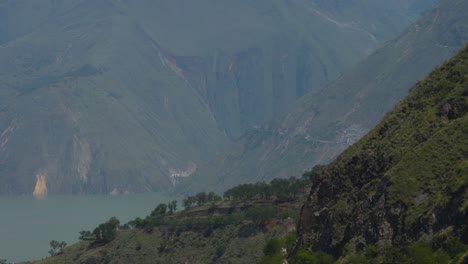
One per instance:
(261, 215)
(56, 247)
(220, 251)
(106, 259)
(307, 257)
(159, 210)
(372, 251)
(107, 231)
(213, 197)
(146, 223)
(199, 199)
(281, 189)
(273, 247)
(417, 253)
(454, 247)
(276, 250)
(211, 217)
(136, 223)
(276, 259)
(251, 217)
(227, 224)
(290, 241)
(86, 235)
(421, 253)
(172, 207)
(203, 225)
(189, 202)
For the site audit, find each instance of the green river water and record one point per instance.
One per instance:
(28, 224)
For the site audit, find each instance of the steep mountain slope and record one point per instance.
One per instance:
(405, 181)
(251, 60)
(67, 116)
(18, 18)
(322, 124)
(119, 95)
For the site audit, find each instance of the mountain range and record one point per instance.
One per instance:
(324, 123)
(116, 96)
(399, 195)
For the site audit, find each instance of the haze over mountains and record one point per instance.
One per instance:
(323, 124)
(118, 95)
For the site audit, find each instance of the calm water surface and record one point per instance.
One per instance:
(28, 224)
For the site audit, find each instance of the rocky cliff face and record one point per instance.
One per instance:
(405, 181)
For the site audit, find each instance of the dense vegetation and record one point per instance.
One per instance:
(280, 189)
(243, 197)
(201, 198)
(400, 194)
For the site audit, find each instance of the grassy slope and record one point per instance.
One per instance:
(312, 131)
(140, 247)
(406, 180)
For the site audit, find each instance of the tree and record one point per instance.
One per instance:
(159, 210)
(213, 197)
(86, 235)
(201, 198)
(136, 223)
(56, 247)
(107, 231)
(189, 202)
(172, 206)
(273, 247)
(114, 222)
